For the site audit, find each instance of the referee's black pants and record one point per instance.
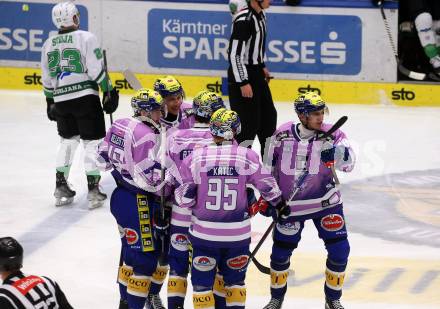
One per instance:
(257, 114)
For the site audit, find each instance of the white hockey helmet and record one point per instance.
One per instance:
(63, 15)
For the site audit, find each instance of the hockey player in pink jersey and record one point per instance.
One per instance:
(177, 111)
(180, 145)
(296, 150)
(214, 180)
(130, 150)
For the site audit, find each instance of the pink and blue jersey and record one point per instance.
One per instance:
(214, 180)
(130, 148)
(180, 144)
(292, 156)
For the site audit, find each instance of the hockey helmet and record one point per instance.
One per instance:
(309, 102)
(146, 100)
(225, 123)
(11, 254)
(205, 103)
(168, 86)
(63, 15)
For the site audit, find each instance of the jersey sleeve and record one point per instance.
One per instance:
(262, 179)
(103, 162)
(345, 157)
(186, 193)
(95, 63)
(45, 72)
(237, 49)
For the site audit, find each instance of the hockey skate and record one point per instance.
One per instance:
(63, 193)
(95, 197)
(154, 302)
(333, 304)
(275, 303)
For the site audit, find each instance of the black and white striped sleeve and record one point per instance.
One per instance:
(241, 33)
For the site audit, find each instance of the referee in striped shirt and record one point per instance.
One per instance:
(20, 291)
(248, 77)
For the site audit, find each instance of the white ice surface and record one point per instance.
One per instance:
(80, 248)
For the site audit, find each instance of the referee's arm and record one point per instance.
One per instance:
(240, 35)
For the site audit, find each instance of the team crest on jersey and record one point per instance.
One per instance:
(121, 231)
(332, 223)
(237, 262)
(131, 236)
(179, 242)
(288, 228)
(204, 263)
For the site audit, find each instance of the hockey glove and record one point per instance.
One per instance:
(328, 156)
(51, 113)
(258, 206)
(282, 210)
(269, 211)
(110, 101)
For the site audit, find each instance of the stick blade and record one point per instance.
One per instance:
(132, 79)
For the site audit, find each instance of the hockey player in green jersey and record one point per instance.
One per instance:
(72, 72)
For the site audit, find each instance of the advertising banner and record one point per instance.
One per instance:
(191, 39)
(24, 27)
(158, 37)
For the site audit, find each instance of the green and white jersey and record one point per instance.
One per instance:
(72, 65)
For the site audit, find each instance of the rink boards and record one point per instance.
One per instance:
(400, 94)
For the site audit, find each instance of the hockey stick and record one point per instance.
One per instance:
(108, 81)
(132, 79)
(261, 267)
(321, 135)
(163, 135)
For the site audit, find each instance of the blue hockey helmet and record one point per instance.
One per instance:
(225, 123)
(205, 103)
(309, 102)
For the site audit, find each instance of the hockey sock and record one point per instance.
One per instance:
(235, 296)
(278, 282)
(219, 292)
(334, 279)
(137, 291)
(90, 156)
(176, 291)
(124, 273)
(203, 300)
(333, 283)
(158, 278)
(66, 151)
